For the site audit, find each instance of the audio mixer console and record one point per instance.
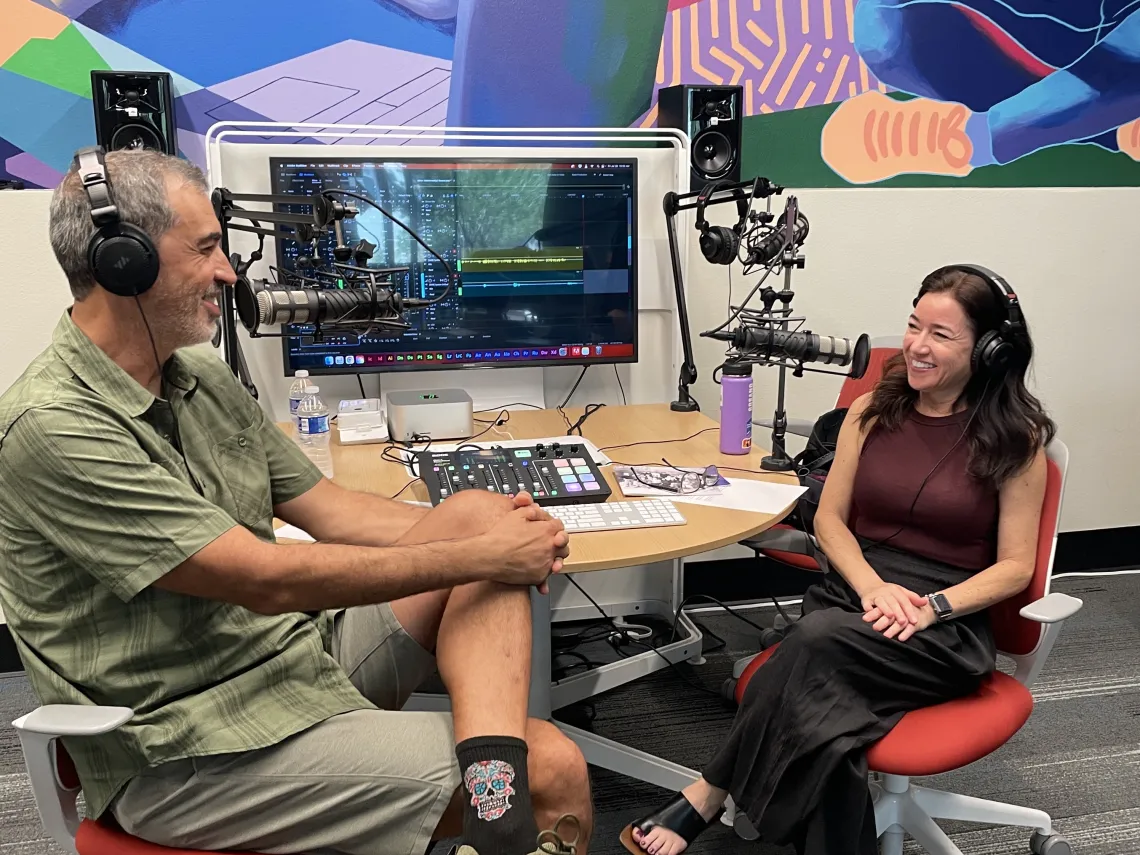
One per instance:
(554, 474)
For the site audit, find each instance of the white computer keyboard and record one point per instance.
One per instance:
(609, 516)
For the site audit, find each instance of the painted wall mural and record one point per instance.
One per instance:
(838, 92)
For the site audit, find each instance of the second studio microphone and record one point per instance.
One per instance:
(800, 346)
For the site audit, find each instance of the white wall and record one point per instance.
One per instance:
(1070, 254)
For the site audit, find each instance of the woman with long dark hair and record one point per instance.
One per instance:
(929, 515)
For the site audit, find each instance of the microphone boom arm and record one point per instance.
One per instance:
(674, 203)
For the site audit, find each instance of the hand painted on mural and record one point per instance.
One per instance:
(995, 80)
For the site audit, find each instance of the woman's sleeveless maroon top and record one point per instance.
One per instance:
(955, 518)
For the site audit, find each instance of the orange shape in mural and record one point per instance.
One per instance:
(873, 137)
(1128, 138)
(24, 20)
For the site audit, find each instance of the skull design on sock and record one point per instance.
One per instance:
(489, 783)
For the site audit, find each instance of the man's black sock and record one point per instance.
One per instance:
(498, 818)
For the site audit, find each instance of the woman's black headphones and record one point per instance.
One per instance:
(996, 350)
(720, 244)
(122, 257)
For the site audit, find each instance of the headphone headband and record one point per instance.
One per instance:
(720, 244)
(707, 193)
(91, 166)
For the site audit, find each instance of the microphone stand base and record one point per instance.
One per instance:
(689, 406)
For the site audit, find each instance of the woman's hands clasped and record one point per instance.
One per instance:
(896, 611)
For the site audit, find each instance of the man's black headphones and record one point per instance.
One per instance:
(720, 244)
(996, 350)
(122, 257)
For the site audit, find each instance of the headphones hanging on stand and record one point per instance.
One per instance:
(122, 257)
(720, 244)
(996, 350)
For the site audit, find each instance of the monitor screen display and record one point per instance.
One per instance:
(546, 252)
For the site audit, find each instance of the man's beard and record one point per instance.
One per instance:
(180, 322)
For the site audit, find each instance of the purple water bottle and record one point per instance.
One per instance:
(736, 408)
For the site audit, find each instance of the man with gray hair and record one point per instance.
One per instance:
(138, 568)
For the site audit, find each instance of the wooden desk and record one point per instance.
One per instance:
(360, 467)
(638, 435)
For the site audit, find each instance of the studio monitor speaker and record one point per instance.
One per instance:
(134, 109)
(712, 116)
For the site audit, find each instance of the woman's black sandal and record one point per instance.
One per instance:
(678, 816)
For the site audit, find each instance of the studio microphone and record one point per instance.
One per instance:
(801, 346)
(766, 250)
(261, 303)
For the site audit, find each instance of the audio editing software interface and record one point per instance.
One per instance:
(546, 252)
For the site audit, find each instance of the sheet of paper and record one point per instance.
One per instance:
(744, 494)
(292, 533)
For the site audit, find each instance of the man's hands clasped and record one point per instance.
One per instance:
(897, 612)
(532, 544)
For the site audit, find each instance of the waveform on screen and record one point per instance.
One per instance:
(515, 260)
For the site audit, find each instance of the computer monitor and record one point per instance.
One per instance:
(546, 250)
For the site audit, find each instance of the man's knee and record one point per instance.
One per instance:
(472, 512)
(556, 769)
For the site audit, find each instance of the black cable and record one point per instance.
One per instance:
(575, 429)
(638, 643)
(447, 267)
(512, 404)
(162, 379)
(402, 489)
(574, 388)
(659, 441)
(360, 381)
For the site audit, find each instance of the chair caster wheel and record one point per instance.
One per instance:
(1054, 844)
(743, 827)
(728, 691)
(770, 638)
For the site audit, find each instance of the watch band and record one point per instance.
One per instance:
(941, 606)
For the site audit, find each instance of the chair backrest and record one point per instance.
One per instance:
(882, 349)
(1014, 634)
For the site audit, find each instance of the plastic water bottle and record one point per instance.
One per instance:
(736, 408)
(296, 393)
(313, 433)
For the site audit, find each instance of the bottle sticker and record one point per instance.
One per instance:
(293, 404)
(314, 424)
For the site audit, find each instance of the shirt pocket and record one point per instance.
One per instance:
(244, 470)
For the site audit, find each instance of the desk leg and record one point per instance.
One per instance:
(541, 652)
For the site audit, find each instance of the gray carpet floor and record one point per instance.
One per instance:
(1078, 758)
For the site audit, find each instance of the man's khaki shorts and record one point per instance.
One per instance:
(371, 782)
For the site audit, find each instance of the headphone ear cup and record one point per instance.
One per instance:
(992, 352)
(720, 245)
(123, 259)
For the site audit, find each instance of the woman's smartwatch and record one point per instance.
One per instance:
(941, 606)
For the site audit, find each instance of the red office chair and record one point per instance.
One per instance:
(55, 784)
(947, 736)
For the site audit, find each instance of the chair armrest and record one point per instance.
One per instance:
(73, 720)
(799, 427)
(1051, 611)
(1052, 608)
(783, 540)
